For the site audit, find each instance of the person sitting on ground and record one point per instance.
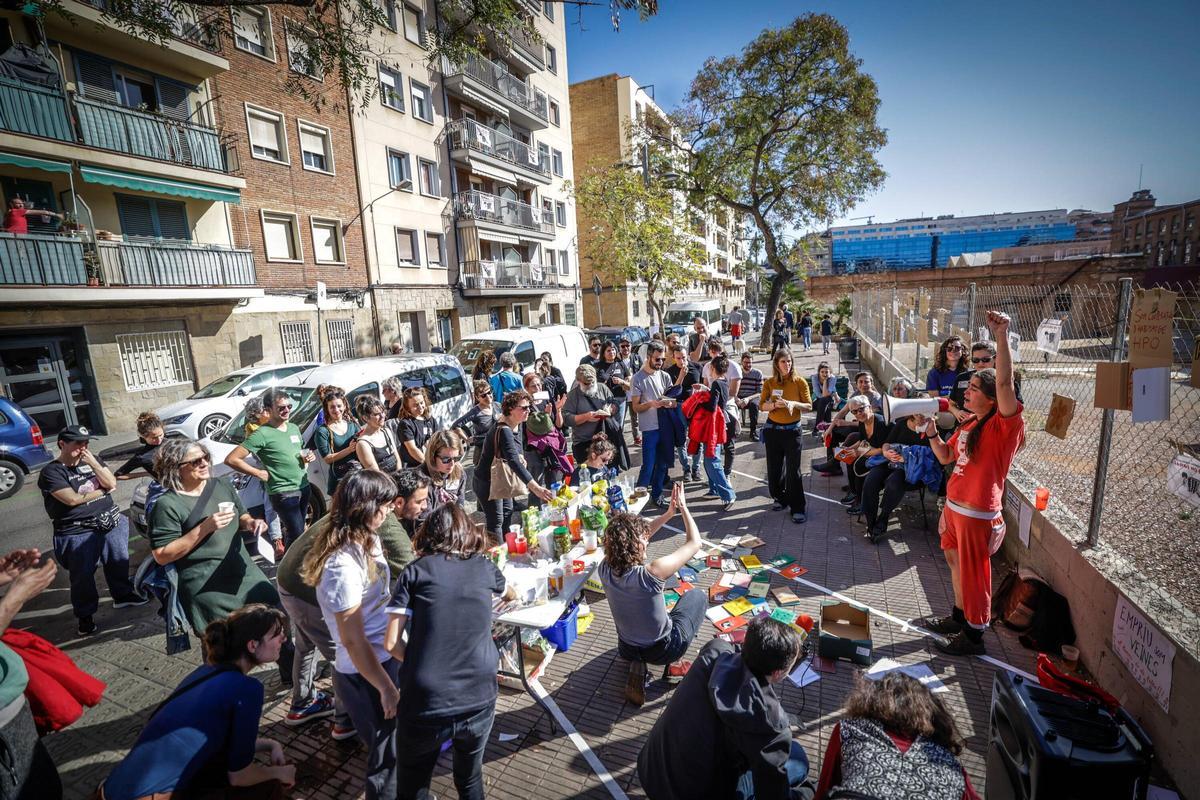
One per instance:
(475, 424)
(508, 379)
(889, 477)
(872, 433)
(202, 741)
(901, 388)
(898, 741)
(443, 467)
(597, 466)
(724, 733)
(646, 633)
(749, 391)
(947, 364)
(824, 383)
(843, 424)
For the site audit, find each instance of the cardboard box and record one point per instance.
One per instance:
(1114, 385)
(845, 632)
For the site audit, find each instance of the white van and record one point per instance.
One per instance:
(679, 316)
(566, 344)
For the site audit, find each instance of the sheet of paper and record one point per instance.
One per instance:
(920, 672)
(716, 613)
(265, 548)
(1152, 394)
(1024, 521)
(804, 674)
(730, 541)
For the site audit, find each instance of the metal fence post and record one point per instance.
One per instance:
(1106, 425)
(895, 326)
(971, 311)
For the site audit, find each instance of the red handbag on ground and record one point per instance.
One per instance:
(58, 690)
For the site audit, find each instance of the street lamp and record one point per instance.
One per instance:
(405, 184)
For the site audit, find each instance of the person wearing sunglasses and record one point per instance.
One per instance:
(478, 420)
(983, 356)
(872, 433)
(279, 446)
(502, 441)
(443, 466)
(949, 362)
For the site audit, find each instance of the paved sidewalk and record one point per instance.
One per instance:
(904, 577)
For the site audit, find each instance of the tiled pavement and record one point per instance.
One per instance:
(905, 577)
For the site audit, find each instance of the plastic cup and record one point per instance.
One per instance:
(576, 524)
(556, 580)
(1070, 657)
(510, 539)
(1042, 498)
(226, 508)
(589, 541)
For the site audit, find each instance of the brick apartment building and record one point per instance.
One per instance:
(1168, 237)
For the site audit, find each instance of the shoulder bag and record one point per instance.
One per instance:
(505, 484)
(345, 466)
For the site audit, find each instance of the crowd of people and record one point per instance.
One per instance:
(393, 586)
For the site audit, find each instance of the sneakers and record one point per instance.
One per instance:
(708, 495)
(850, 499)
(86, 626)
(941, 625)
(675, 672)
(778, 506)
(695, 477)
(635, 684)
(962, 644)
(341, 734)
(877, 533)
(799, 518)
(320, 706)
(729, 505)
(130, 601)
(854, 509)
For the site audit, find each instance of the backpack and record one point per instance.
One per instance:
(1026, 603)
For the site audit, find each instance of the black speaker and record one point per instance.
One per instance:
(1046, 746)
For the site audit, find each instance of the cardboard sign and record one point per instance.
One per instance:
(1144, 650)
(1062, 411)
(1114, 385)
(923, 304)
(1151, 326)
(1048, 336)
(1196, 370)
(1152, 394)
(1183, 478)
(1014, 346)
(923, 332)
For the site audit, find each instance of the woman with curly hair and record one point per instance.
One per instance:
(485, 365)
(646, 633)
(896, 742)
(948, 363)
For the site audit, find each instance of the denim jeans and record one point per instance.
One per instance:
(81, 553)
(375, 731)
(685, 618)
(419, 743)
(718, 481)
(797, 773)
(311, 636)
(807, 334)
(653, 473)
(292, 509)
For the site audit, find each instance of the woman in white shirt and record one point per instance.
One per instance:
(347, 566)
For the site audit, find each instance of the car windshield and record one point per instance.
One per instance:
(304, 410)
(468, 350)
(218, 388)
(680, 317)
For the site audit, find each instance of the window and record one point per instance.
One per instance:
(408, 253)
(297, 342)
(440, 383)
(301, 58)
(435, 244)
(252, 31)
(390, 85)
(1187, 251)
(563, 263)
(548, 9)
(153, 360)
(556, 162)
(315, 147)
(555, 119)
(552, 260)
(543, 156)
(135, 90)
(422, 101)
(560, 214)
(281, 236)
(548, 212)
(414, 27)
(153, 218)
(389, 11)
(551, 59)
(431, 183)
(635, 308)
(398, 170)
(341, 338)
(327, 241)
(569, 314)
(268, 137)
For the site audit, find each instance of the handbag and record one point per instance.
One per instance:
(504, 482)
(345, 466)
(103, 522)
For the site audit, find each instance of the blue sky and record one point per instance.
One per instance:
(1011, 106)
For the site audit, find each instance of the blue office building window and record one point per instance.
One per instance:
(923, 250)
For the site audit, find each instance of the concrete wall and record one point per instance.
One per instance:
(1092, 579)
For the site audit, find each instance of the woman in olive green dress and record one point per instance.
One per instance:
(215, 571)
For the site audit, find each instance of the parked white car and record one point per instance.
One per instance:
(209, 410)
(441, 375)
(567, 344)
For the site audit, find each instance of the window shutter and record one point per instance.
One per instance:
(264, 133)
(277, 235)
(172, 220)
(136, 215)
(246, 25)
(174, 99)
(312, 142)
(95, 77)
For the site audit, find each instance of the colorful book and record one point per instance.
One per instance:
(718, 593)
(726, 580)
(741, 579)
(738, 552)
(751, 541)
(670, 599)
(714, 560)
(734, 592)
(688, 574)
(728, 565)
(738, 607)
(751, 563)
(782, 560)
(760, 584)
(793, 571)
(786, 616)
(784, 596)
(684, 587)
(730, 624)
(696, 565)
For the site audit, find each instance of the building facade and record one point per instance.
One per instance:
(604, 109)
(1166, 237)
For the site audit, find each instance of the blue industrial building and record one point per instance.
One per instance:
(932, 241)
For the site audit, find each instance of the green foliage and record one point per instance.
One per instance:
(785, 132)
(842, 311)
(636, 232)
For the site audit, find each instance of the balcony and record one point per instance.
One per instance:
(138, 133)
(489, 83)
(34, 110)
(496, 278)
(474, 144)
(489, 212)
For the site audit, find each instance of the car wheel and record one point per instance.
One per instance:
(211, 425)
(316, 508)
(12, 478)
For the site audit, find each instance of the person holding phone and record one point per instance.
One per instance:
(785, 397)
(588, 405)
(647, 394)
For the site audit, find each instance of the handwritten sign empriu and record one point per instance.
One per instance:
(1144, 650)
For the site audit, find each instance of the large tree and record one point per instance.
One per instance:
(636, 229)
(334, 38)
(786, 133)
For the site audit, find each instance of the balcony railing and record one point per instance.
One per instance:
(534, 50)
(508, 275)
(35, 259)
(469, 134)
(501, 211)
(185, 24)
(138, 133)
(497, 78)
(34, 110)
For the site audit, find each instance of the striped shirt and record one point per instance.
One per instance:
(752, 380)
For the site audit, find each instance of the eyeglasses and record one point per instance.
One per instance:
(986, 360)
(197, 462)
(524, 408)
(957, 347)
(859, 410)
(488, 393)
(451, 459)
(287, 407)
(657, 360)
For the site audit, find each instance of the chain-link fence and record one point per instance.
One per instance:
(1141, 518)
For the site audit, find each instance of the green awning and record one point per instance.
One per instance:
(29, 162)
(146, 183)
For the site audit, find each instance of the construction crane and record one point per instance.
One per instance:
(870, 219)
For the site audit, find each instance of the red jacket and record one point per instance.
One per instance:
(704, 427)
(57, 689)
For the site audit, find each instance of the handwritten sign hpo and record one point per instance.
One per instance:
(1144, 650)
(1151, 326)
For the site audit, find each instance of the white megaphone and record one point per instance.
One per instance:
(897, 407)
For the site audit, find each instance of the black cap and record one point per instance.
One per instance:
(75, 433)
